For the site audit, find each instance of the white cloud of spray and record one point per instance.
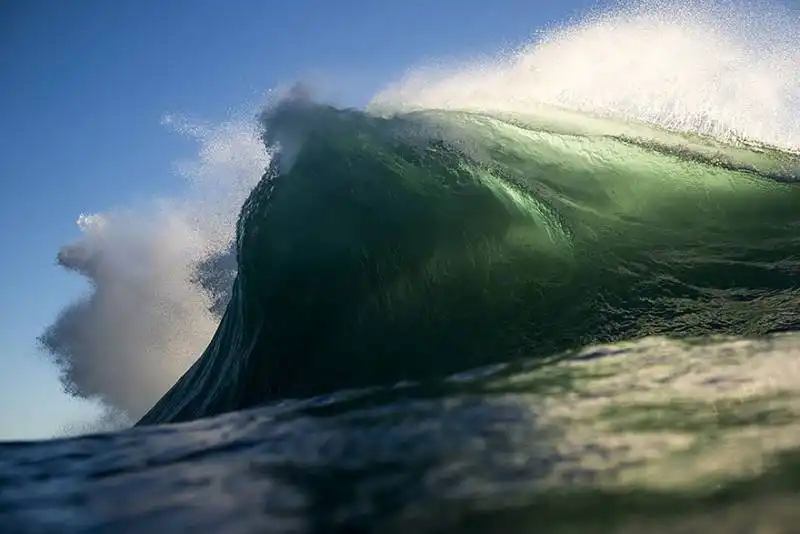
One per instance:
(717, 67)
(147, 316)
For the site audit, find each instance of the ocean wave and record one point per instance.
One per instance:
(410, 247)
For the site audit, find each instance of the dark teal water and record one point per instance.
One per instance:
(654, 436)
(377, 251)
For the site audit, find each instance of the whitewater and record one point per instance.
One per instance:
(551, 290)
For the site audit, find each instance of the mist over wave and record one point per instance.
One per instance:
(157, 275)
(160, 276)
(720, 68)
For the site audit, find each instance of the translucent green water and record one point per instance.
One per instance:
(381, 250)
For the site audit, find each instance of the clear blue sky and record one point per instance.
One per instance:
(83, 87)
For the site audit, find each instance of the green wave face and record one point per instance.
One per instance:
(378, 250)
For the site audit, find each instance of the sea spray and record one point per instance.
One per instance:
(154, 302)
(719, 68)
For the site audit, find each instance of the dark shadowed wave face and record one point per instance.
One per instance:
(378, 250)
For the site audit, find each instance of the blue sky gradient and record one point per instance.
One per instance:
(83, 88)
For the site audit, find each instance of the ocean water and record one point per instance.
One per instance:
(553, 291)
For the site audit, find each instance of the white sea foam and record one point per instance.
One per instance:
(711, 67)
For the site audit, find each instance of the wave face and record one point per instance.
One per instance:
(380, 250)
(633, 173)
